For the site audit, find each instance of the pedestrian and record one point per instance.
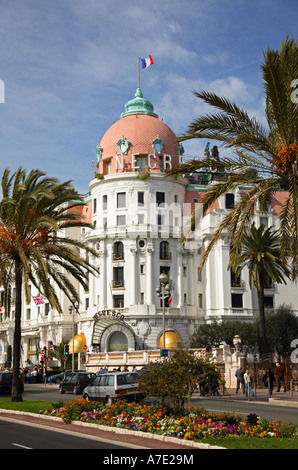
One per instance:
(268, 379)
(248, 384)
(34, 375)
(239, 374)
(280, 375)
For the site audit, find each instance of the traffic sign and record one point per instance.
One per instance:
(208, 348)
(164, 352)
(85, 347)
(65, 358)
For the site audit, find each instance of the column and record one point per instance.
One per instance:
(149, 278)
(132, 281)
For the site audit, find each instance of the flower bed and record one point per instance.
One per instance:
(195, 424)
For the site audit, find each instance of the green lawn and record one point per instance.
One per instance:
(35, 406)
(30, 406)
(253, 443)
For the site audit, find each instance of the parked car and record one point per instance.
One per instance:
(112, 385)
(76, 382)
(6, 382)
(57, 378)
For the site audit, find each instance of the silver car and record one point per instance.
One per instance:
(112, 385)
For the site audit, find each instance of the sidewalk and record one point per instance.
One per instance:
(277, 398)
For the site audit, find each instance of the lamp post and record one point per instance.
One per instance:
(161, 292)
(73, 310)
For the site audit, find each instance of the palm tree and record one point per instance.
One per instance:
(260, 253)
(264, 157)
(33, 209)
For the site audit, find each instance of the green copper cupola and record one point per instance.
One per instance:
(139, 105)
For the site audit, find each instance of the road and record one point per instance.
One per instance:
(213, 404)
(20, 435)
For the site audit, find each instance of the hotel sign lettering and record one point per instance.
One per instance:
(108, 313)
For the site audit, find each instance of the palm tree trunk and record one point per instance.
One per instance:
(16, 390)
(263, 339)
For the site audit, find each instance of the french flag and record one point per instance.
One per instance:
(146, 62)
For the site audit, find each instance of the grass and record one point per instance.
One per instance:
(35, 406)
(253, 443)
(29, 406)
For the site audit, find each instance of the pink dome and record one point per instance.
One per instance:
(137, 132)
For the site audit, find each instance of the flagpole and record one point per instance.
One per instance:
(138, 72)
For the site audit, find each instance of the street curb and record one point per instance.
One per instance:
(101, 427)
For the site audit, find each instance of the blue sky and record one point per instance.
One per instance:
(69, 66)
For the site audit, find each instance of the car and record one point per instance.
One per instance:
(76, 382)
(112, 385)
(6, 382)
(57, 378)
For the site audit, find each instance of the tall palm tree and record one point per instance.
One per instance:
(265, 158)
(260, 253)
(33, 209)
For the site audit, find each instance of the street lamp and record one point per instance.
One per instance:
(73, 309)
(163, 292)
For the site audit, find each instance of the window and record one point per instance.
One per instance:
(118, 251)
(121, 220)
(268, 301)
(237, 301)
(160, 198)
(140, 198)
(104, 202)
(230, 200)
(161, 166)
(118, 301)
(47, 309)
(142, 269)
(199, 275)
(141, 163)
(264, 221)
(118, 280)
(118, 342)
(160, 219)
(200, 300)
(121, 200)
(94, 206)
(87, 303)
(235, 279)
(164, 251)
(140, 219)
(176, 199)
(28, 313)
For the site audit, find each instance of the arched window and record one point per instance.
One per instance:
(118, 342)
(118, 251)
(164, 251)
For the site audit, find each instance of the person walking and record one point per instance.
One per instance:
(239, 374)
(248, 382)
(268, 380)
(280, 375)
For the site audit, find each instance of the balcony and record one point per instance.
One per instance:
(165, 256)
(118, 284)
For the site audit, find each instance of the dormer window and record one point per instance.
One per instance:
(157, 145)
(123, 145)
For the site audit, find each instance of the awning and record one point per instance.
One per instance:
(79, 343)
